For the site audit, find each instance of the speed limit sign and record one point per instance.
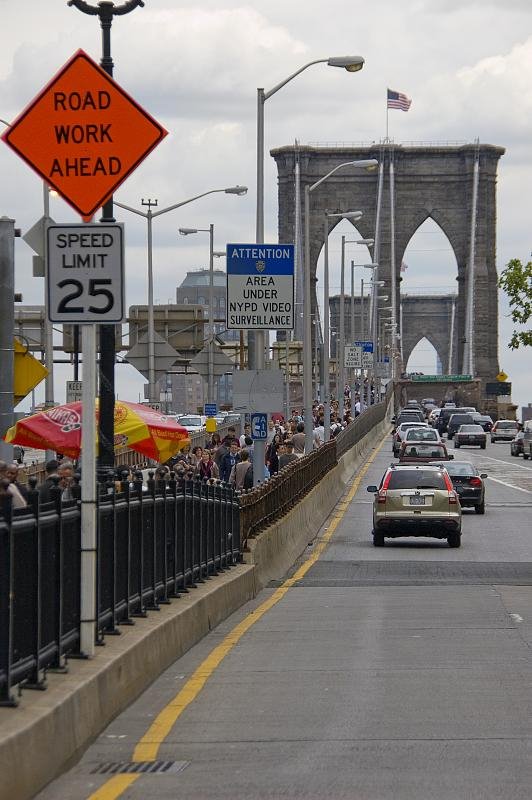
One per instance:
(85, 273)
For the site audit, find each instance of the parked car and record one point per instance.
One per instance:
(399, 434)
(468, 483)
(504, 430)
(423, 452)
(484, 420)
(517, 446)
(470, 435)
(416, 501)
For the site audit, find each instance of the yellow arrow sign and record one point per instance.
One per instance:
(28, 372)
(502, 376)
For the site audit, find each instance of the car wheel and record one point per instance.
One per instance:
(454, 540)
(378, 539)
(457, 445)
(482, 446)
(480, 509)
(526, 456)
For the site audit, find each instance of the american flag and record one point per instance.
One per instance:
(398, 100)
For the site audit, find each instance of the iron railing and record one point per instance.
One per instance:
(152, 545)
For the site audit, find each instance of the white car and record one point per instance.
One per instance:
(400, 433)
(192, 422)
(422, 434)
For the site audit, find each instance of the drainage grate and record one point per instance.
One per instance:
(148, 767)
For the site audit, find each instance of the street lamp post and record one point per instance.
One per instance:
(256, 341)
(210, 231)
(354, 216)
(369, 163)
(149, 216)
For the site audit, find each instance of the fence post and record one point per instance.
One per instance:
(126, 489)
(36, 681)
(137, 484)
(6, 600)
(55, 493)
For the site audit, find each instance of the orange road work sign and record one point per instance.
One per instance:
(83, 134)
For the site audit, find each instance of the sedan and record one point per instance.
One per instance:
(468, 483)
(483, 420)
(517, 446)
(423, 452)
(470, 435)
(400, 432)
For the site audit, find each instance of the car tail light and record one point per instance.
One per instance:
(475, 482)
(381, 497)
(453, 497)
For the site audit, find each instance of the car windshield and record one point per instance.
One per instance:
(422, 435)
(405, 426)
(416, 479)
(191, 421)
(506, 425)
(470, 429)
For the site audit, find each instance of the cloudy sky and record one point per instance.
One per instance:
(466, 64)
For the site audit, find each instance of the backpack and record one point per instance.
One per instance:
(248, 478)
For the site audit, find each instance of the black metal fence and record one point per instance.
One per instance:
(152, 546)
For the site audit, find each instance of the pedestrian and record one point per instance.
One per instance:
(298, 440)
(288, 457)
(12, 474)
(16, 497)
(240, 469)
(228, 461)
(247, 432)
(214, 441)
(207, 468)
(272, 458)
(50, 470)
(196, 455)
(230, 437)
(319, 433)
(65, 471)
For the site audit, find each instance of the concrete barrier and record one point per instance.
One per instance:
(276, 549)
(50, 730)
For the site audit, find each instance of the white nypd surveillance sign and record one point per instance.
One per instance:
(260, 286)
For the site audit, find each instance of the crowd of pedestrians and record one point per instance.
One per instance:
(230, 459)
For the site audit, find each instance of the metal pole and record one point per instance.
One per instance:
(307, 332)
(298, 264)
(376, 253)
(393, 268)
(341, 344)
(256, 339)
(151, 314)
(88, 611)
(210, 392)
(451, 339)
(326, 399)
(48, 327)
(7, 325)
(352, 332)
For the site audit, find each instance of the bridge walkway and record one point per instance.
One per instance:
(397, 673)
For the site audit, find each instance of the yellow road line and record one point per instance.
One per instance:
(148, 746)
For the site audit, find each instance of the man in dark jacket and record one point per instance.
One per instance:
(228, 461)
(45, 487)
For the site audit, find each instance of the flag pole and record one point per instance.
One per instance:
(387, 114)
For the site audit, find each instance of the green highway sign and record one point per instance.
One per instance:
(441, 378)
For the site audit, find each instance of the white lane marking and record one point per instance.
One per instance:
(517, 617)
(509, 485)
(498, 460)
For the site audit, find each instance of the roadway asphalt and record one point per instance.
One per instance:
(394, 673)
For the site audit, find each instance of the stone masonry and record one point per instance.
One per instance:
(435, 182)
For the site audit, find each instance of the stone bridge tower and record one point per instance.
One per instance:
(430, 181)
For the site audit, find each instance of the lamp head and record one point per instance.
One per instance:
(368, 242)
(239, 190)
(349, 63)
(187, 231)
